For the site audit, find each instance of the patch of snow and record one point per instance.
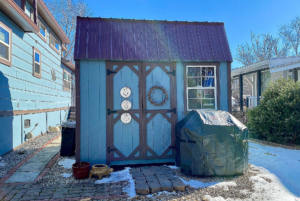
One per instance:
(209, 198)
(0, 158)
(159, 193)
(274, 190)
(285, 165)
(245, 191)
(123, 175)
(66, 163)
(197, 184)
(173, 167)
(66, 175)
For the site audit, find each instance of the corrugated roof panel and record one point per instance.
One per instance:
(83, 39)
(174, 52)
(128, 40)
(93, 50)
(204, 42)
(138, 40)
(105, 39)
(162, 42)
(140, 43)
(117, 40)
(184, 45)
(195, 48)
(150, 34)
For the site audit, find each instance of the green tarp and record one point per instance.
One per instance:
(211, 143)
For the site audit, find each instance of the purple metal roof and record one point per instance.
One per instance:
(147, 40)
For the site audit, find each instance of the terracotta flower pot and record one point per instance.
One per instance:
(81, 170)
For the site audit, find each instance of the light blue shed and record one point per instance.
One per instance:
(170, 68)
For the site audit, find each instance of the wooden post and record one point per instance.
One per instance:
(295, 73)
(241, 92)
(258, 85)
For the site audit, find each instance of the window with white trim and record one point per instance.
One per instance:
(37, 63)
(67, 81)
(43, 30)
(54, 43)
(201, 87)
(5, 44)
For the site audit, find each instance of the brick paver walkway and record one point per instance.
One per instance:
(61, 192)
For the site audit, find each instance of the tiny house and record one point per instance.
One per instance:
(135, 79)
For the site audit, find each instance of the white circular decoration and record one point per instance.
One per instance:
(126, 105)
(125, 92)
(126, 118)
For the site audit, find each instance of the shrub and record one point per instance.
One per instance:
(277, 117)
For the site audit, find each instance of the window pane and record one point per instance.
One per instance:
(194, 71)
(4, 51)
(37, 57)
(208, 103)
(208, 82)
(209, 93)
(195, 93)
(4, 35)
(208, 71)
(195, 104)
(65, 75)
(37, 68)
(42, 30)
(57, 46)
(194, 82)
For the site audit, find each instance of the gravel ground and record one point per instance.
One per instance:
(13, 158)
(55, 177)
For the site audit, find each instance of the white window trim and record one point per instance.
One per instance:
(53, 47)
(4, 60)
(67, 89)
(46, 31)
(187, 87)
(38, 75)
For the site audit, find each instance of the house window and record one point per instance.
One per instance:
(54, 43)
(43, 31)
(201, 87)
(37, 63)
(67, 81)
(5, 44)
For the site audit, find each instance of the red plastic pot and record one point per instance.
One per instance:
(81, 170)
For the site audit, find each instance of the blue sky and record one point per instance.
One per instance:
(240, 16)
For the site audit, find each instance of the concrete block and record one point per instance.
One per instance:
(178, 184)
(154, 186)
(148, 173)
(140, 180)
(171, 176)
(134, 170)
(166, 185)
(142, 189)
(137, 174)
(151, 178)
(161, 177)
(158, 172)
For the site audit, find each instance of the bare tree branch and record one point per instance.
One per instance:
(290, 33)
(65, 12)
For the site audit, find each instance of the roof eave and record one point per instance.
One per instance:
(18, 16)
(44, 12)
(68, 64)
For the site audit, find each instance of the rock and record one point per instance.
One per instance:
(142, 189)
(178, 185)
(166, 185)
(154, 186)
(21, 151)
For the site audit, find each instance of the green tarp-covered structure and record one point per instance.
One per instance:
(211, 143)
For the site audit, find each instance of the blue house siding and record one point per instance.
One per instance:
(21, 91)
(223, 90)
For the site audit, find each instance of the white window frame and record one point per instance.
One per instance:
(4, 60)
(70, 81)
(38, 75)
(201, 87)
(53, 47)
(40, 23)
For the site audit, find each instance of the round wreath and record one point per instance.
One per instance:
(152, 101)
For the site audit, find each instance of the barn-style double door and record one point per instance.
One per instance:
(150, 135)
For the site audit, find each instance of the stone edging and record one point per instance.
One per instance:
(263, 142)
(44, 172)
(81, 198)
